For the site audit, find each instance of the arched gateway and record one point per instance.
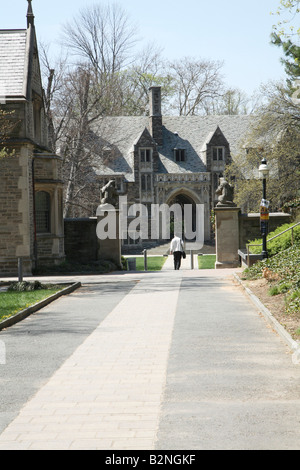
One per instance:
(192, 214)
(157, 160)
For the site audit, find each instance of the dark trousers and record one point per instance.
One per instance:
(177, 259)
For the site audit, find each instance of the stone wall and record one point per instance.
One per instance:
(81, 243)
(16, 206)
(234, 230)
(47, 176)
(249, 225)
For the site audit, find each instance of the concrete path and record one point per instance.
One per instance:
(176, 360)
(190, 262)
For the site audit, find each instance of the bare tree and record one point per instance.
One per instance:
(56, 103)
(102, 36)
(232, 102)
(195, 82)
(83, 105)
(73, 100)
(147, 70)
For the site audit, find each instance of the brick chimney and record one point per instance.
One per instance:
(155, 114)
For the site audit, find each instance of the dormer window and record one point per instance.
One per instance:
(145, 155)
(218, 153)
(179, 155)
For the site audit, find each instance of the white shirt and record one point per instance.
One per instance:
(176, 245)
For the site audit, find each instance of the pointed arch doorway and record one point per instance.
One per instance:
(183, 200)
(191, 218)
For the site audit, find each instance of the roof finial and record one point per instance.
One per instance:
(30, 15)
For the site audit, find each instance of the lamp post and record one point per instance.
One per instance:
(264, 211)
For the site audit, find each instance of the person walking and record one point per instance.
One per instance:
(176, 249)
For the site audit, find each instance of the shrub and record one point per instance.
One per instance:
(280, 243)
(280, 288)
(274, 290)
(286, 265)
(25, 286)
(293, 302)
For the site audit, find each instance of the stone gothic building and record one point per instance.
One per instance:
(31, 190)
(162, 160)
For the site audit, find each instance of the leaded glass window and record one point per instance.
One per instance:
(42, 212)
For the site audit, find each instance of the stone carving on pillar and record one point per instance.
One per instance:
(225, 192)
(109, 194)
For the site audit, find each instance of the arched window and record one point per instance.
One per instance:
(42, 211)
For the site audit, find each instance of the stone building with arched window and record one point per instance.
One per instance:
(31, 190)
(157, 159)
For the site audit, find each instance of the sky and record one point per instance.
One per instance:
(236, 32)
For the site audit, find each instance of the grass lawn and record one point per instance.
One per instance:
(13, 302)
(206, 261)
(154, 263)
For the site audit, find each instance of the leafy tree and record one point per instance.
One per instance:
(292, 58)
(286, 27)
(275, 132)
(275, 135)
(287, 38)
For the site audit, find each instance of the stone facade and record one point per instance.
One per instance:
(227, 237)
(249, 225)
(16, 209)
(161, 160)
(81, 243)
(31, 222)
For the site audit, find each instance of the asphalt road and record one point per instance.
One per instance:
(231, 383)
(226, 380)
(38, 346)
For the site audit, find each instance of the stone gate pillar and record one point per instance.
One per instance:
(110, 247)
(227, 237)
(108, 224)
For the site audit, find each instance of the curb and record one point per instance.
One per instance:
(289, 341)
(34, 308)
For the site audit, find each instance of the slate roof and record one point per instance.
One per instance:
(12, 62)
(191, 133)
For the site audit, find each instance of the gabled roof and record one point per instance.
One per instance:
(199, 130)
(210, 137)
(119, 134)
(191, 133)
(13, 47)
(146, 135)
(18, 61)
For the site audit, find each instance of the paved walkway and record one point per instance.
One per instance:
(190, 262)
(182, 361)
